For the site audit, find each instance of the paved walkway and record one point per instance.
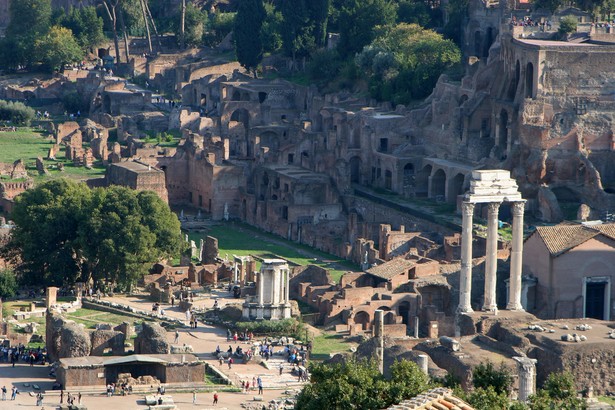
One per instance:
(23, 373)
(206, 338)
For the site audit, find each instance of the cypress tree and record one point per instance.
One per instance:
(247, 33)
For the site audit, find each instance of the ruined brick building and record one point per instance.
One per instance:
(290, 160)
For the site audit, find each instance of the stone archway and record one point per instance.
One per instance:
(422, 181)
(514, 83)
(503, 132)
(388, 179)
(478, 41)
(390, 318)
(355, 170)
(240, 124)
(455, 187)
(362, 318)
(403, 310)
(529, 81)
(438, 185)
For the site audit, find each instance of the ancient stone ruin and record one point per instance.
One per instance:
(152, 339)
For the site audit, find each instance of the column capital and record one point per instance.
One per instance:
(518, 208)
(493, 206)
(467, 208)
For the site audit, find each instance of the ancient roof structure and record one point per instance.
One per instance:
(392, 268)
(88, 361)
(435, 399)
(561, 238)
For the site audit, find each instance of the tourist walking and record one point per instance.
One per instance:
(215, 398)
(230, 362)
(61, 396)
(260, 385)
(3, 393)
(14, 392)
(176, 337)
(79, 398)
(193, 396)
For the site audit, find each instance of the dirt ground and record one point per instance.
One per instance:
(203, 340)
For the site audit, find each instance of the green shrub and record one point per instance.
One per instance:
(16, 112)
(486, 375)
(567, 25)
(284, 327)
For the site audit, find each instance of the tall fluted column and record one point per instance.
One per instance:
(516, 257)
(527, 377)
(379, 335)
(287, 286)
(465, 283)
(491, 263)
(261, 287)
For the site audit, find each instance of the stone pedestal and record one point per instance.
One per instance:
(423, 363)
(527, 377)
(51, 297)
(433, 331)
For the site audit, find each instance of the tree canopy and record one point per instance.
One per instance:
(85, 24)
(358, 21)
(66, 232)
(29, 21)
(57, 48)
(359, 385)
(247, 33)
(405, 61)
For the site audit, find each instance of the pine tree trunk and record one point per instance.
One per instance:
(182, 26)
(145, 21)
(126, 43)
(149, 13)
(110, 8)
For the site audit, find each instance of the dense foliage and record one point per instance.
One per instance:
(285, 327)
(405, 61)
(247, 33)
(66, 232)
(359, 385)
(8, 284)
(486, 375)
(35, 36)
(16, 112)
(57, 48)
(196, 21)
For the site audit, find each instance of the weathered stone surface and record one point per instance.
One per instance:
(584, 212)
(40, 166)
(548, 207)
(152, 339)
(103, 339)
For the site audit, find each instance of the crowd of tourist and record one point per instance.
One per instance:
(527, 21)
(20, 353)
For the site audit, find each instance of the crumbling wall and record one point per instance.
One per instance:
(65, 338)
(152, 339)
(103, 339)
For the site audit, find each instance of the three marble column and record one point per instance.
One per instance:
(465, 286)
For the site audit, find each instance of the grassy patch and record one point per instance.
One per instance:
(244, 240)
(28, 144)
(324, 345)
(25, 144)
(88, 317)
(605, 399)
